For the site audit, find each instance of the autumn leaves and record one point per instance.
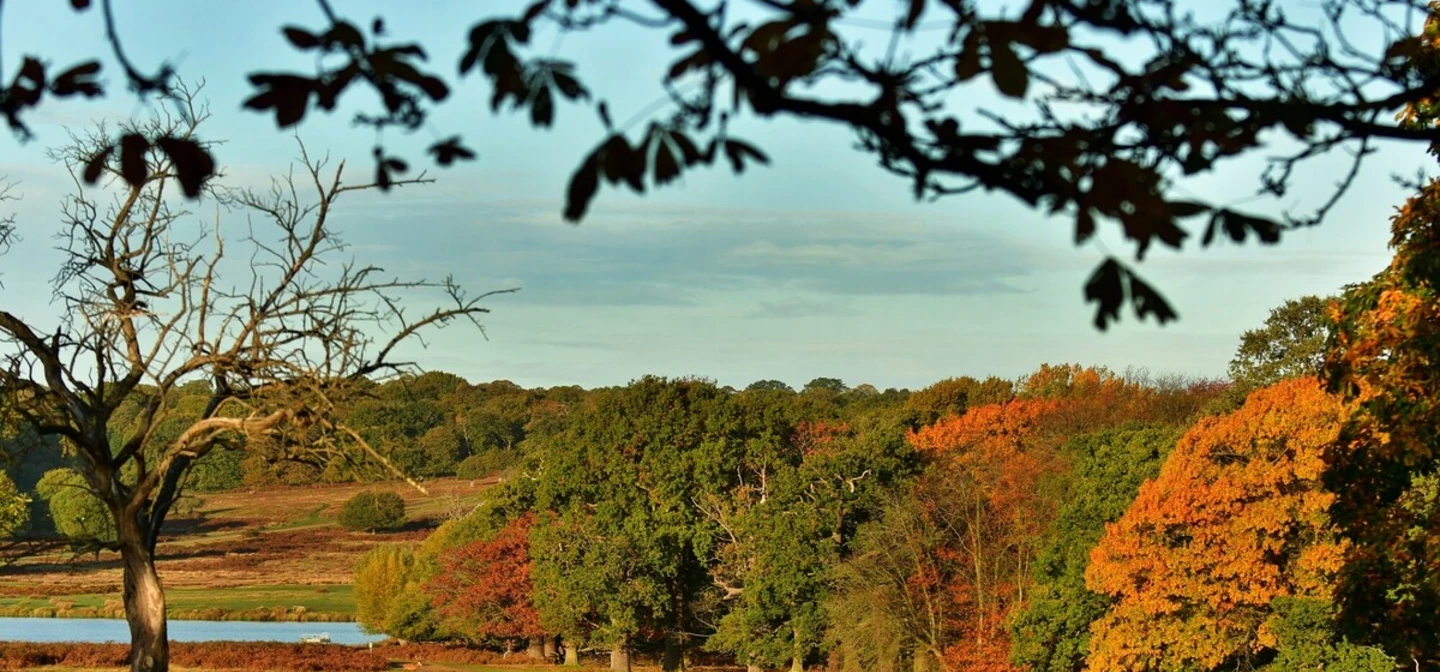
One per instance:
(1237, 518)
(1189, 577)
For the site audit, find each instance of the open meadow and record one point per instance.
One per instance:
(281, 556)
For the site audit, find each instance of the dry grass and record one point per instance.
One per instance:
(280, 536)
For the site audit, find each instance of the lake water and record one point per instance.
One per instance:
(115, 630)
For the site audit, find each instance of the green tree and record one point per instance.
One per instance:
(218, 471)
(953, 396)
(831, 385)
(496, 423)
(371, 511)
(1304, 631)
(1291, 344)
(618, 544)
(75, 510)
(1051, 631)
(770, 384)
(802, 489)
(14, 509)
(388, 595)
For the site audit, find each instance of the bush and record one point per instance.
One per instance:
(483, 464)
(372, 511)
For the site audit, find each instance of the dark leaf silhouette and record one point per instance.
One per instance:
(1107, 288)
(301, 38)
(193, 163)
(1044, 39)
(535, 10)
(450, 150)
(1009, 72)
(1084, 225)
(566, 83)
(583, 186)
(542, 108)
(1183, 209)
(1112, 284)
(738, 152)
(1239, 227)
(1104, 108)
(95, 165)
(1148, 302)
(666, 167)
(133, 147)
(387, 168)
(622, 163)
(287, 95)
(78, 80)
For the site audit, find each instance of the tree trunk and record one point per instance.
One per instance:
(572, 654)
(797, 662)
(670, 661)
(536, 648)
(549, 648)
(144, 604)
(620, 659)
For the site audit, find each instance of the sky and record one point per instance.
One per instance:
(817, 265)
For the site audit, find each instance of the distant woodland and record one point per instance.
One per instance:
(1076, 517)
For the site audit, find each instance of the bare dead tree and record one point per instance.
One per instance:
(151, 301)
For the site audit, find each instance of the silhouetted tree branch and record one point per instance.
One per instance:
(1120, 102)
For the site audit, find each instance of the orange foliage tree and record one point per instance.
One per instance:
(984, 496)
(484, 587)
(1383, 354)
(1237, 517)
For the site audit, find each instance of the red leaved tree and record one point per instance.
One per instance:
(484, 586)
(984, 496)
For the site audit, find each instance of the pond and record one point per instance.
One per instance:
(95, 630)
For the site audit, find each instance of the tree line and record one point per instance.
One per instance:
(1072, 519)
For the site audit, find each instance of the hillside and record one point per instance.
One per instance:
(241, 551)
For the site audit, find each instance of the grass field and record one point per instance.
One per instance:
(264, 551)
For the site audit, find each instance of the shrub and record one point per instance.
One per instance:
(372, 511)
(483, 464)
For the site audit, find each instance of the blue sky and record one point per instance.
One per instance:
(820, 265)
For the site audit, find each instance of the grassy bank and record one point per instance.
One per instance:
(234, 603)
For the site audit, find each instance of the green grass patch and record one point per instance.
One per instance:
(310, 520)
(330, 600)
